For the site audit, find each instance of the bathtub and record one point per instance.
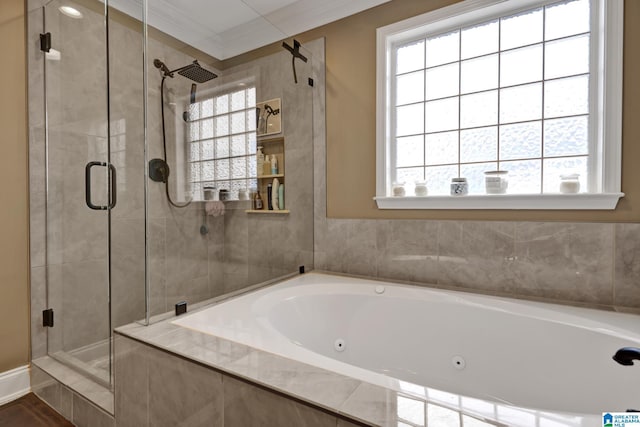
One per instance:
(460, 349)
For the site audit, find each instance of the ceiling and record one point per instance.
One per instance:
(226, 28)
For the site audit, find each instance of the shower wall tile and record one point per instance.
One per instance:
(627, 265)
(127, 270)
(38, 303)
(84, 314)
(565, 261)
(248, 405)
(476, 254)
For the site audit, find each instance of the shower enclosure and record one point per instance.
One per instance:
(113, 241)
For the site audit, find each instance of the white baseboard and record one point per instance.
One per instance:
(14, 384)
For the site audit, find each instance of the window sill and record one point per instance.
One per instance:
(582, 201)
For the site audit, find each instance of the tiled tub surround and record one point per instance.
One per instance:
(145, 363)
(591, 264)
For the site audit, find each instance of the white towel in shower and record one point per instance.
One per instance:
(214, 208)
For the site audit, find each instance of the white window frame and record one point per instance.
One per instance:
(605, 107)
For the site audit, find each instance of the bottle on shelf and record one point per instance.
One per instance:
(260, 161)
(269, 196)
(274, 164)
(257, 201)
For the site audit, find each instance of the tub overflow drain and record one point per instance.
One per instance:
(458, 362)
(339, 345)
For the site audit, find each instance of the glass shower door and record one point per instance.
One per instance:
(80, 185)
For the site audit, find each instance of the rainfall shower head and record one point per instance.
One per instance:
(196, 73)
(192, 71)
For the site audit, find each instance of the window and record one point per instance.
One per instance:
(221, 140)
(516, 86)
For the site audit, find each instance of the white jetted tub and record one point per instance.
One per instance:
(513, 353)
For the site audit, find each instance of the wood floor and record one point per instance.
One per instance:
(29, 411)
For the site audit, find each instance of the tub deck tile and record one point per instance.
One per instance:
(314, 385)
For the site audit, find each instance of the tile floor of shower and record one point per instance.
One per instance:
(92, 359)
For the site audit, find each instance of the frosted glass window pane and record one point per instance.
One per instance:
(439, 416)
(480, 109)
(222, 169)
(442, 81)
(479, 74)
(194, 131)
(480, 40)
(410, 119)
(475, 175)
(409, 176)
(522, 29)
(207, 171)
(194, 152)
(238, 122)
(521, 103)
(251, 140)
(195, 171)
(238, 101)
(206, 129)
(410, 88)
(441, 115)
(251, 160)
(207, 149)
(207, 108)
(411, 410)
(439, 179)
(468, 421)
(477, 145)
(239, 167)
(566, 137)
(194, 111)
(222, 147)
(251, 120)
(222, 125)
(236, 185)
(566, 57)
(442, 148)
(566, 97)
(521, 66)
(410, 151)
(222, 104)
(238, 145)
(524, 176)
(521, 141)
(251, 97)
(553, 168)
(566, 19)
(410, 57)
(443, 49)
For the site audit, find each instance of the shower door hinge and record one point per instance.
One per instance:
(45, 42)
(47, 318)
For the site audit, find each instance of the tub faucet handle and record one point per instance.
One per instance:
(626, 355)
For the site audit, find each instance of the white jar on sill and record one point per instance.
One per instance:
(420, 189)
(397, 189)
(570, 183)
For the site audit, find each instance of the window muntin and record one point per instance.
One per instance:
(510, 93)
(221, 142)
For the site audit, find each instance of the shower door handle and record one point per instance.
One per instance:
(87, 186)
